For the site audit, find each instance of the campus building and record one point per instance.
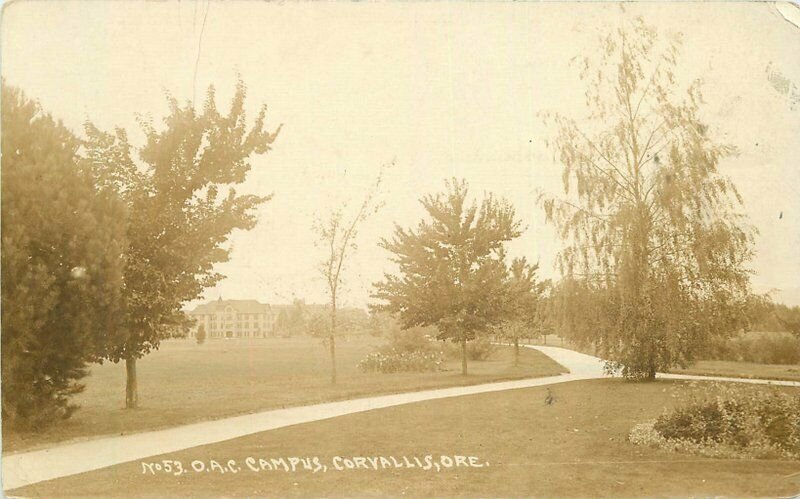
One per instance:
(234, 319)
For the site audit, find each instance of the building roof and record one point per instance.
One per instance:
(241, 306)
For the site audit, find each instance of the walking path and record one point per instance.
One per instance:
(63, 460)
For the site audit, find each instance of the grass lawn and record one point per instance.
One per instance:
(575, 447)
(742, 370)
(184, 382)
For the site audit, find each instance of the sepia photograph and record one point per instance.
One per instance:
(380, 249)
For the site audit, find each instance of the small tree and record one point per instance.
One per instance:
(201, 334)
(338, 235)
(282, 323)
(523, 308)
(451, 268)
(179, 220)
(62, 243)
(299, 316)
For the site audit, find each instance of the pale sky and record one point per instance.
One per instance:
(443, 89)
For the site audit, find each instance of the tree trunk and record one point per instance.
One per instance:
(131, 386)
(333, 360)
(516, 352)
(333, 340)
(545, 338)
(463, 356)
(651, 371)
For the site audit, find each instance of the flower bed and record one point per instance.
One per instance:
(736, 422)
(393, 361)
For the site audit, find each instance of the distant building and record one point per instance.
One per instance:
(234, 319)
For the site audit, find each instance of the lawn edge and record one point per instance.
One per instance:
(58, 443)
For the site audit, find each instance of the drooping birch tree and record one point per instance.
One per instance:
(651, 226)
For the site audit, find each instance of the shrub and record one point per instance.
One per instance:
(416, 350)
(408, 350)
(767, 348)
(394, 361)
(201, 334)
(735, 422)
(478, 349)
(414, 339)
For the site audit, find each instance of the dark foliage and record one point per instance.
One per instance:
(62, 262)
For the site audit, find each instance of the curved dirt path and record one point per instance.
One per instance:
(26, 468)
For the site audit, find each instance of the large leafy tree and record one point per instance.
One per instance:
(62, 263)
(451, 268)
(183, 207)
(652, 228)
(523, 304)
